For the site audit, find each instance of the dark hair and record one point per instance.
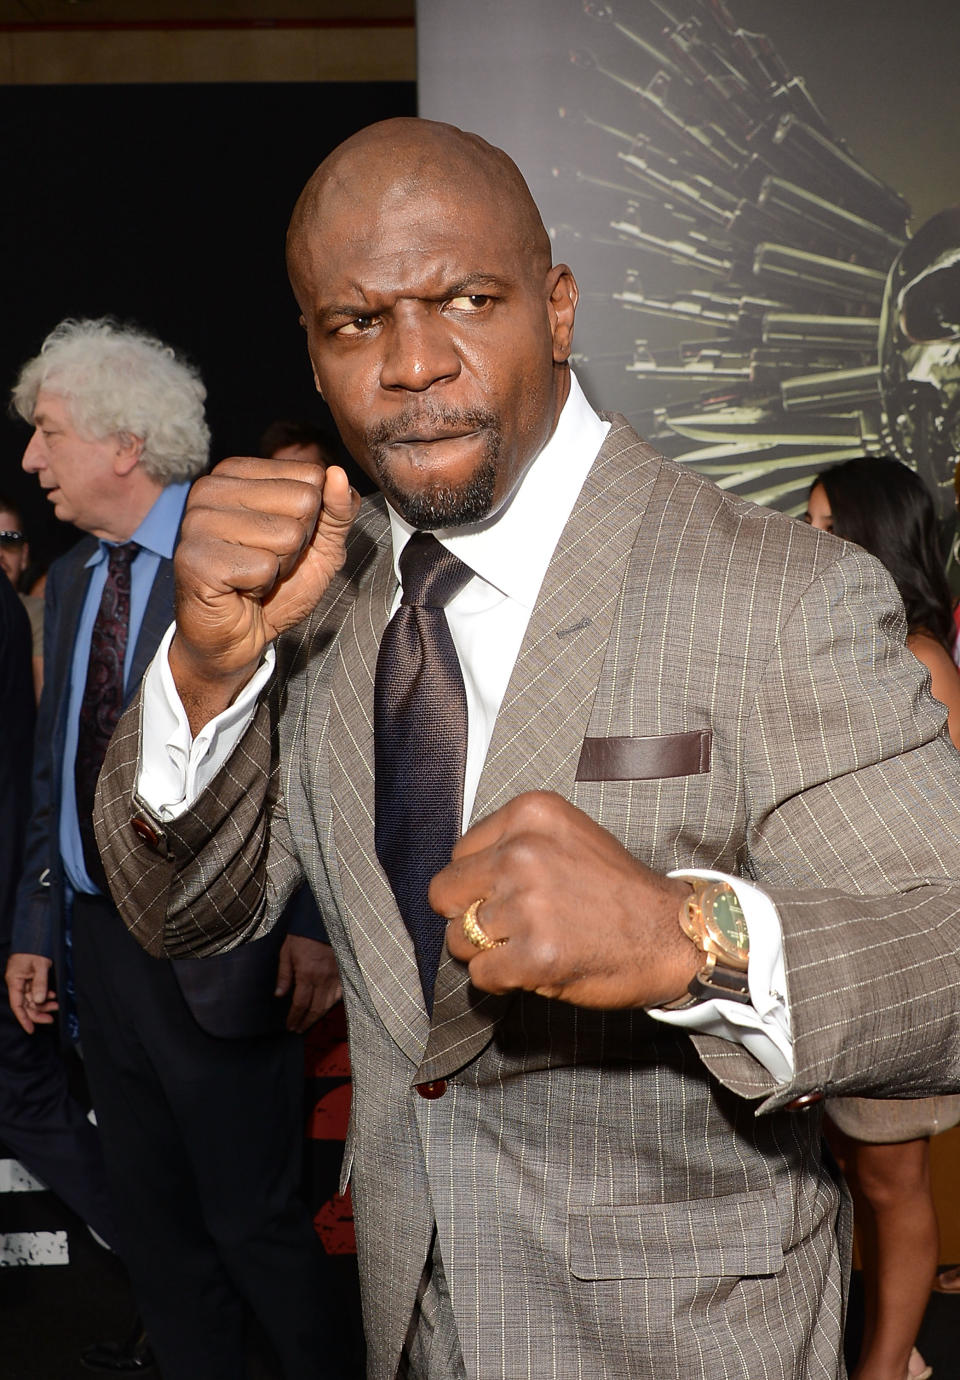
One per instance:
(281, 434)
(7, 505)
(887, 509)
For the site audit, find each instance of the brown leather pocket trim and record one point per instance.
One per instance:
(645, 759)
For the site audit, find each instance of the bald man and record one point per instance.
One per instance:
(709, 816)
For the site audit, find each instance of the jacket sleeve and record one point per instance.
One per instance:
(17, 709)
(36, 904)
(219, 875)
(854, 832)
(302, 916)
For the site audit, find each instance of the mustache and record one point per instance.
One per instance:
(430, 421)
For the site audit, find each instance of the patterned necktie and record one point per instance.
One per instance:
(420, 742)
(102, 695)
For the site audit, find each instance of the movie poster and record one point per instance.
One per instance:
(759, 202)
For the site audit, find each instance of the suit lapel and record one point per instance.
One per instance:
(72, 590)
(541, 726)
(380, 939)
(157, 617)
(69, 585)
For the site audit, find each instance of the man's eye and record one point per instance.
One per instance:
(474, 301)
(357, 326)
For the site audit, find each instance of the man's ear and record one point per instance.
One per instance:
(562, 308)
(127, 452)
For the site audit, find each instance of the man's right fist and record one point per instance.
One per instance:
(261, 541)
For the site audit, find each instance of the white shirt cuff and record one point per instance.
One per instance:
(763, 1026)
(174, 767)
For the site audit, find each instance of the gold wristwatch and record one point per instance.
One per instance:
(713, 918)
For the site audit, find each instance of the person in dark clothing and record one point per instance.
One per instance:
(194, 1068)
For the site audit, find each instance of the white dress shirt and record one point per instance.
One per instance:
(488, 618)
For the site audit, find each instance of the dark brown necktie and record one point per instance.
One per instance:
(420, 742)
(102, 695)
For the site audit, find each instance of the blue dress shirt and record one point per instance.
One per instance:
(156, 536)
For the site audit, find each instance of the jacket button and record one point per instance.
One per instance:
(431, 1090)
(145, 831)
(800, 1104)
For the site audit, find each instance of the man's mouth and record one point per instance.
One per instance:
(430, 427)
(429, 438)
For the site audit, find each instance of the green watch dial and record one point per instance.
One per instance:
(727, 915)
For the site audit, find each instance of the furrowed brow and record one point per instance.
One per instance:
(474, 285)
(346, 312)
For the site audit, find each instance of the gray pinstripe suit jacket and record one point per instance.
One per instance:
(612, 1197)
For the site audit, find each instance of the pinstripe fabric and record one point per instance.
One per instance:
(606, 1198)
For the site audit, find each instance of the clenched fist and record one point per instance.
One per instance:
(570, 913)
(260, 543)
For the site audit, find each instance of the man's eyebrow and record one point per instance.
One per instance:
(474, 284)
(347, 312)
(469, 286)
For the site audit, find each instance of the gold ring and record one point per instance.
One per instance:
(474, 931)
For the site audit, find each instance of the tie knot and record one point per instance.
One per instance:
(121, 557)
(430, 574)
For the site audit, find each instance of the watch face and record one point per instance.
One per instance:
(725, 922)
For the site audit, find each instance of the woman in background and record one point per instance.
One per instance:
(884, 1146)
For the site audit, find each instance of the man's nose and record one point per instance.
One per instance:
(33, 455)
(418, 350)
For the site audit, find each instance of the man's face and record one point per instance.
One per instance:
(76, 473)
(433, 337)
(14, 555)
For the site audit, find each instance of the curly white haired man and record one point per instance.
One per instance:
(194, 1067)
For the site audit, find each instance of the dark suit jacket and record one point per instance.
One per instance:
(17, 713)
(230, 995)
(612, 1196)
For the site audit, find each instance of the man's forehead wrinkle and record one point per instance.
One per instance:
(415, 277)
(41, 413)
(389, 174)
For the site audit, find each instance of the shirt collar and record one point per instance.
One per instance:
(512, 552)
(158, 530)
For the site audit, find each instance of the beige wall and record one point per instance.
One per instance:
(68, 57)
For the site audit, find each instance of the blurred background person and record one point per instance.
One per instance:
(303, 440)
(42, 1123)
(887, 509)
(14, 562)
(285, 440)
(17, 712)
(194, 1068)
(884, 1146)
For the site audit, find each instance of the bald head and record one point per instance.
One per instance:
(438, 330)
(396, 161)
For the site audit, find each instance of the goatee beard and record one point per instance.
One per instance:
(439, 504)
